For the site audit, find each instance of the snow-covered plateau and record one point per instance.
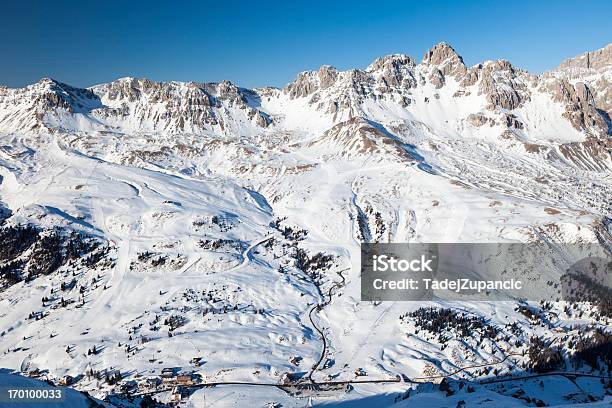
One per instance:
(199, 243)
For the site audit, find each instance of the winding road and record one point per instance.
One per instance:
(318, 307)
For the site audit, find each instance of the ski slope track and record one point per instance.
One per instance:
(200, 226)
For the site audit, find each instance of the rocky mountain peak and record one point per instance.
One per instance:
(443, 55)
(442, 61)
(327, 75)
(596, 60)
(46, 81)
(395, 70)
(594, 70)
(394, 61)
(50, 94)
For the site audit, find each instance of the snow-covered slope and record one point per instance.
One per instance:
(198, 225)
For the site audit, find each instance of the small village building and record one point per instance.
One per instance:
(167, 372)
(360, 372)
(184, 380)
(66, 380)
(128, 386)
(196, 361)
(178, 394)
(35, 373)
(152, 382)
(290, 378)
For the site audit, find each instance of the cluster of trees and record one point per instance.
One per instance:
(543, 357)
(11, 272)
(579, 287)
(49, 250)
(15, 240)
(96, 256)
(528, 312)
(595, 349)
(47, 255)
(448, 323)
(152, 258)
(79, 245)
(110, 378)
(290, 233)
(223, 224)
(588, 347)
(175, 321)
(5, 213)
(215, 244)
(68, 286)
(379, 223)
(314, 265)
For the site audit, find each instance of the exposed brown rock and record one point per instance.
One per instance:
(504, 86)
(511, 121)
(444, 57)
(478, 119)
(595, 69)
(358, 137)
(444, 61)
(593, 154)
(327, 76)
(591, 60)
(396, 71)
(579, 105)
(534, 148)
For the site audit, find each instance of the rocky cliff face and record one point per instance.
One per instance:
(226, 210)
(128, 104)
(440, 92)
(594, 69)
(592, 60)
(494, 92)
(504, 86)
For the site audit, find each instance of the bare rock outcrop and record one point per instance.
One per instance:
(579, 103)
(478, 120)
(596, 60)
(504, 86)
(393, 71)
(594, 68)
(444, 61)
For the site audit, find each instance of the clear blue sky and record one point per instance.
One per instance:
(267, 43)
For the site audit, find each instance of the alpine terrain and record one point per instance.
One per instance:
(200, 242)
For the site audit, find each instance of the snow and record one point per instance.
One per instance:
(152, 190)
(70, 398)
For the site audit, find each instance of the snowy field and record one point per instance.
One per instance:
(224, 220)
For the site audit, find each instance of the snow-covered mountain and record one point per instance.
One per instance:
(152, 224)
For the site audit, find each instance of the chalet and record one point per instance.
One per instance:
(114, 373)
(128, 387)
(152, 382)
(66, 380)
(35, 373)
(184, 380)
(328, 363)
(167, 372)
(178, 394)
(559, 330)
(290, 378)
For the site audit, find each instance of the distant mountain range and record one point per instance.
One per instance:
(197, 226)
